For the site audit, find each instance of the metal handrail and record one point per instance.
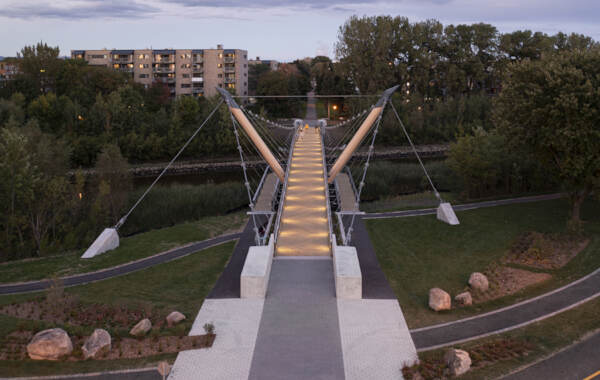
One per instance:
(326, 189)
(285, 182)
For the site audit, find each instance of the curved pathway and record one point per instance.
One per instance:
(578, 361)
(465, 206)
(510, 317)
(84, 278)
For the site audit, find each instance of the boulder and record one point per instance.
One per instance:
(174, 318)
(97, 342)
(50, 344)
(458, 361)
(141, 328)
(464, 299)
(479, 281)
(439, 299)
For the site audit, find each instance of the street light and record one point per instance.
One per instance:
(334, 107)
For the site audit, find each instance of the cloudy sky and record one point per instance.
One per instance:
(282, 30)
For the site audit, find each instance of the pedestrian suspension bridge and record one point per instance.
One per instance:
(303, 309)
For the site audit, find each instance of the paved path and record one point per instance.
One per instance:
(120, 270)
(463, 207)
(580, 361)
(511, 317)
(299, 335)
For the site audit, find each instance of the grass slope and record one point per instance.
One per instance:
(132, 248)
(178, 285)
(419, 253)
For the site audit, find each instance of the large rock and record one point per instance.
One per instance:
(97, 342)
(174, 318)
(141, 328)
(50, 344)
(464, 299)
(479, 282)
(458, 361)
(439, 299)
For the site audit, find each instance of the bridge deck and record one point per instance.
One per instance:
(304, 227)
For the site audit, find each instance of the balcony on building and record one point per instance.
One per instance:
(198, 68)
(122, 56)
(229, 79)
(198, 55)
(78, 54)
(229, 68)
(163, 68)
(123, 67)
(164, 56)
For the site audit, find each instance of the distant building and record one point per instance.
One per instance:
(273, 65)
(8, 68)
(185, 71)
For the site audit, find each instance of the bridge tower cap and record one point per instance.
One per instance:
(386, 95)
(228, 98)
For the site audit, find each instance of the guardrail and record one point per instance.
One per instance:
(326, 189)
(285, 182)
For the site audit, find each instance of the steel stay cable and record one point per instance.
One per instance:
(124, 218)
(437, 194)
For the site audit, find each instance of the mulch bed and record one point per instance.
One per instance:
(545, 251)
(60, 310)
(14, 346)
(482, 355)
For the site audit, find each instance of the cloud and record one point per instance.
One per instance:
(77, 10)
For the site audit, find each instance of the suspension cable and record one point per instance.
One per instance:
(124, 218)
(437, 194)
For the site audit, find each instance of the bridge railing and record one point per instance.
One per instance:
(326, 188)
(285, 183)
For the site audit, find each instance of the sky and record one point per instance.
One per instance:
(281, 30)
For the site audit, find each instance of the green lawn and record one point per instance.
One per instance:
(419, 253)
(131, 248)
(547, 337)
(178, 285)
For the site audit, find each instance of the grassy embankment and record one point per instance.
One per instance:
(178, 285)
(132, 248)
(419, 253)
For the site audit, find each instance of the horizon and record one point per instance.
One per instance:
(283, 31)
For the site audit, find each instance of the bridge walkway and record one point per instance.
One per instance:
(304, 227)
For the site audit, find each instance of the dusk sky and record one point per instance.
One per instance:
(282, 30)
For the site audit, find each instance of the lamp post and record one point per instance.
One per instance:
(335, 107)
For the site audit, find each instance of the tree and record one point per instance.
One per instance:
(40, 64)
(114, 184)
(552, 106)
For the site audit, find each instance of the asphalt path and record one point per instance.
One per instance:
(120, 270)
(577, 362)
(463, 207)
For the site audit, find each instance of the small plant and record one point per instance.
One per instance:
(209, 328)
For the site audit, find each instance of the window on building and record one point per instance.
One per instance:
(116, 65)
(186, 65)
(219, 65)
(245, 56)
(95, 56)
(186, 75)
(220, 55)
(230, 85)
(186, 85)
(220, 84)
(144, 76)
(219, 75)
(245, 65)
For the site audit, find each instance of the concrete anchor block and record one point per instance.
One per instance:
(254, 279)
(108, 240)
(446, 214)
(348, 277)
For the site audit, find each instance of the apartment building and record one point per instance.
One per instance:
(196, 72)
(273, 64)
(8, 68)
